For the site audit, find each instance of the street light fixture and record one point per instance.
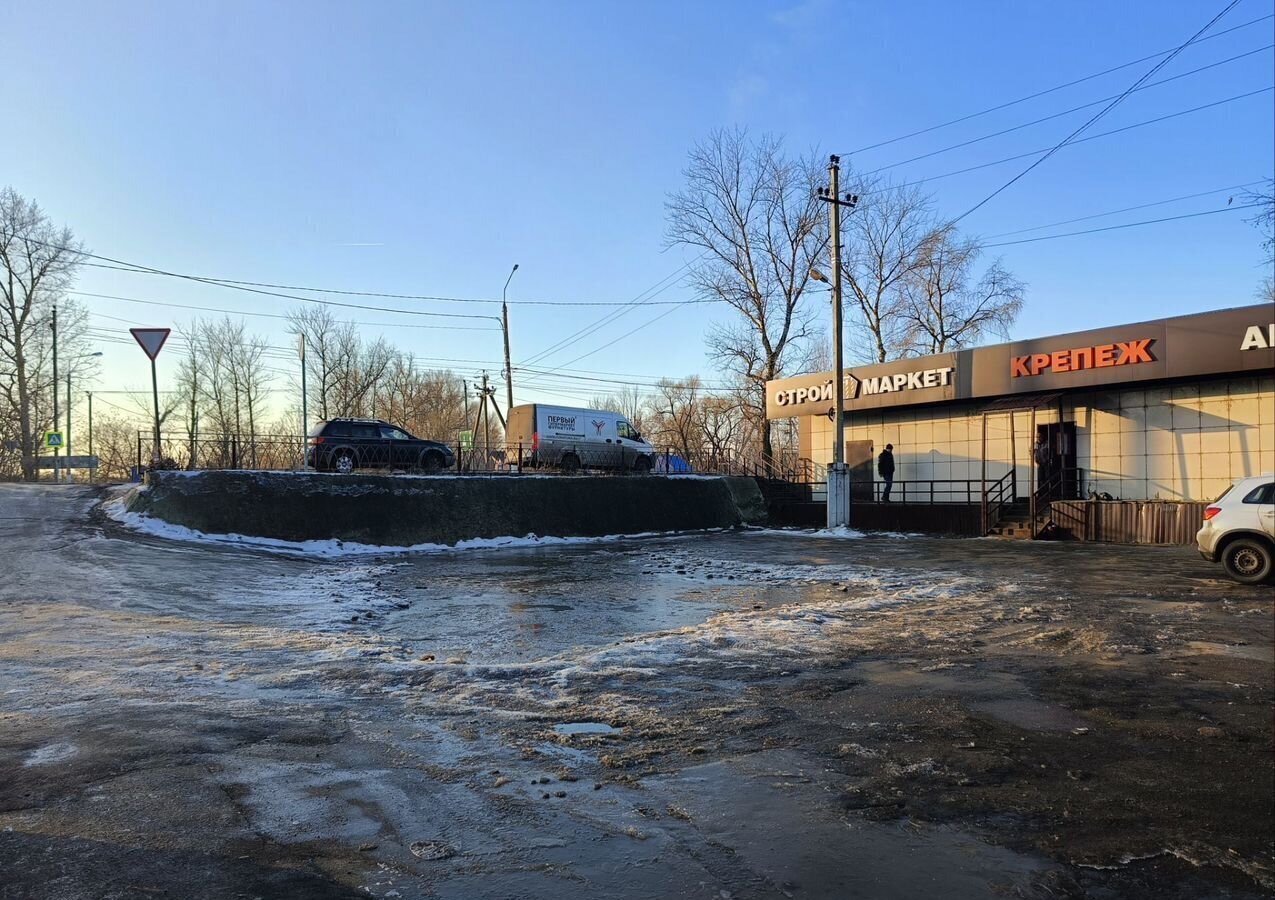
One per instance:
(67, 441)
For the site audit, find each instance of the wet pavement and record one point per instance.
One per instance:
(741, 715)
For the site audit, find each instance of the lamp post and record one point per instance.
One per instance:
(504, 326)
(67, 440)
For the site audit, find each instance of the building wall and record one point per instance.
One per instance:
(1177, 442)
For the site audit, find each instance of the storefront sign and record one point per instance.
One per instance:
(816, 393)
(1258, 338)
(1101, 356)
(908, 381)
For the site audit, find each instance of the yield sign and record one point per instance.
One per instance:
(151, 339)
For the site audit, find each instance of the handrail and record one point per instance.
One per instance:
(994, 502)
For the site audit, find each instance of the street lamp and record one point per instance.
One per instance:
(67, 441)
(504, 326)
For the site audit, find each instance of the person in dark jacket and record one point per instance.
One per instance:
(885, 468)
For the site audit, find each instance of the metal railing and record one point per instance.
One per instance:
(930, 491)
(292, 453)
(996, 496)
(1061, 484)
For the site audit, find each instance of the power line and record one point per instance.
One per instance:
(139, 269)
(654, 291)
(1065, 112)
(1234, 187)
(631, 331)
(265, 315)
(1059, 87)
(1092, 137)
(1050, 237)
(1102, 112)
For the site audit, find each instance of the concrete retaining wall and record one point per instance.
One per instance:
(401, 511)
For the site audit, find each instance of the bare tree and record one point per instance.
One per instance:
(1264, 221)
(754, 214)
(946, 304)
(676, 417)
(883, 239)
(38, 262)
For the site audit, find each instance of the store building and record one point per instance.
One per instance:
(1173, 409)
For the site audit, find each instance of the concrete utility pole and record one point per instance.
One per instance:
(92, 471)
(57, 471)
(838, 475)
(504, 326)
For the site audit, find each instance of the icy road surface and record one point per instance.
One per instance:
(745, 715)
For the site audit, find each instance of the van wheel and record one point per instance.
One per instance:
(431, 461)
(570, 463)
(344, 463)
(642, 465)
(1248, 561)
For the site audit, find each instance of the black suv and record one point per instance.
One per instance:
(343, 445)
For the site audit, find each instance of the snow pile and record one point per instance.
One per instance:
(117, 509)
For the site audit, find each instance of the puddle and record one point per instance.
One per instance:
(1239, 651)
(1031, 714)
(584, 728)
(807, 841)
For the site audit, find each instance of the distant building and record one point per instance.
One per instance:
(1172, 409)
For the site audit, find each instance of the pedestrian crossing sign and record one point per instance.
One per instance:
(53, 439)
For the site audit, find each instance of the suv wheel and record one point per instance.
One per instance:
(1248, 561)
(431, 461)
(344, 463)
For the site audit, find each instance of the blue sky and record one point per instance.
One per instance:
(424, 148)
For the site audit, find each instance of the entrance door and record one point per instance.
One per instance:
(1056, 473)
(860, 461)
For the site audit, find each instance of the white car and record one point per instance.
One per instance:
(1239, 530)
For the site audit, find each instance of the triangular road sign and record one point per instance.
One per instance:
(151, 339)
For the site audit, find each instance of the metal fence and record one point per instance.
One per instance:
(293, 453)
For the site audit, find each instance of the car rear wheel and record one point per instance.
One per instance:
(344, 463)
(570, 463)
(431, 461)
(1248, 561)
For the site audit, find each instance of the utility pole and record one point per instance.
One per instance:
(504, 326)
(305, 420)
(66, 439)
(92, 470)
(57, 471)
(838, 475)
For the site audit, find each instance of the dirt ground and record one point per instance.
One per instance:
(753, 714)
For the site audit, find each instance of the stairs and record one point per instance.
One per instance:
(1015, 522)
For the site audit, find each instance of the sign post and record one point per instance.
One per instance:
(151, 340)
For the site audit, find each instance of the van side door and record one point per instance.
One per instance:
(630, 443)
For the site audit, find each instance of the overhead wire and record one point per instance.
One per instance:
(1078, 141)
(1113, 212)
(1050, 237)
(1065, 112)
(1102, 112)
(1057, 87)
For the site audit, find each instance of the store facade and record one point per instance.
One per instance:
(1173, 409)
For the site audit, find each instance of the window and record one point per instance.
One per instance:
(394, 434)
(365, 432)
(1263, 493)
(625, 430)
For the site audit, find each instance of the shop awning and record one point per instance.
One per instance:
(1023, 401)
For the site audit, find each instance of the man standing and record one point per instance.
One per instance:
(885, 468)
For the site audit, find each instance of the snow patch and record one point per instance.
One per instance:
(334, 549)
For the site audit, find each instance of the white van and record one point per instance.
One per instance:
(571, 439)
